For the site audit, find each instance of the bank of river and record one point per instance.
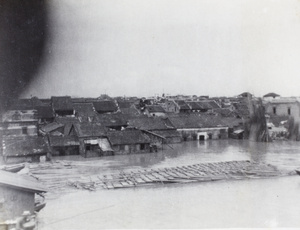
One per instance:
(273, 202)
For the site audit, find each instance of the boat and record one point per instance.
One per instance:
(13, 168)
(39, 206)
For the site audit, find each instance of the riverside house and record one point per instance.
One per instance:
(17, 194)
(90, 137)
(62, 106)
(129, 141)
(160, 130)
(199, 127)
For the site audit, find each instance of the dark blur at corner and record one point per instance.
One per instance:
(23, 36)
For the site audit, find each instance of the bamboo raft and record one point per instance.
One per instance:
(203, 172)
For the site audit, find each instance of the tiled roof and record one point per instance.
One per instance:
(63, 141)
(105, 106)
(124, 104)
(44, 112)
(66, 120)
(224, 112)
(84, 109)
(62, 103)
(23, 146)
(213, 104)
(90, 129)
(167, 133)
(127, 137)
(205, 105)
(196, 121)
(182, 105)
(149, 123)
(130, 111)
(51, 127)
(194, 105)
(112, 120)
(84, 100)
(155, 109)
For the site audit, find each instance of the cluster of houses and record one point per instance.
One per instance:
(90, 127)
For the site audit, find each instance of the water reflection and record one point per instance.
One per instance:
(272, 202)
(283, 154)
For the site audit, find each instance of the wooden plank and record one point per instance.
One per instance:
(145, 178)
(151, 177)
(117, 185)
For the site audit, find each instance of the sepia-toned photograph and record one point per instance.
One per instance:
(149, 114)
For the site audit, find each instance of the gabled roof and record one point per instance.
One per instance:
(112, 120)
(84, 100)
(62, 103)
(84, 109)
(185, 121)
(150, 123)
(127, 137)
(51, 127)
(45, 112)
(20, 182)
(205, 105)
(167, 133)
(182, 105)
(194, 105)
(232, 122)
(155, 109)
(130, 111)
(105, 106)
(224, 112)
(63, 141)
(213, 104)
(24, 146)
(90, 129)
(196, 121)
(66, 120)
(124, 104)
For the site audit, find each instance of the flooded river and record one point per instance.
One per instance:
(257, 203)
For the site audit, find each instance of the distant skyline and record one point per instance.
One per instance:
(148, 47)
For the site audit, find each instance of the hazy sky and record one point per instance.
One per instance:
(142, 48)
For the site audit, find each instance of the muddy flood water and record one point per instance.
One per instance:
(251, 203)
